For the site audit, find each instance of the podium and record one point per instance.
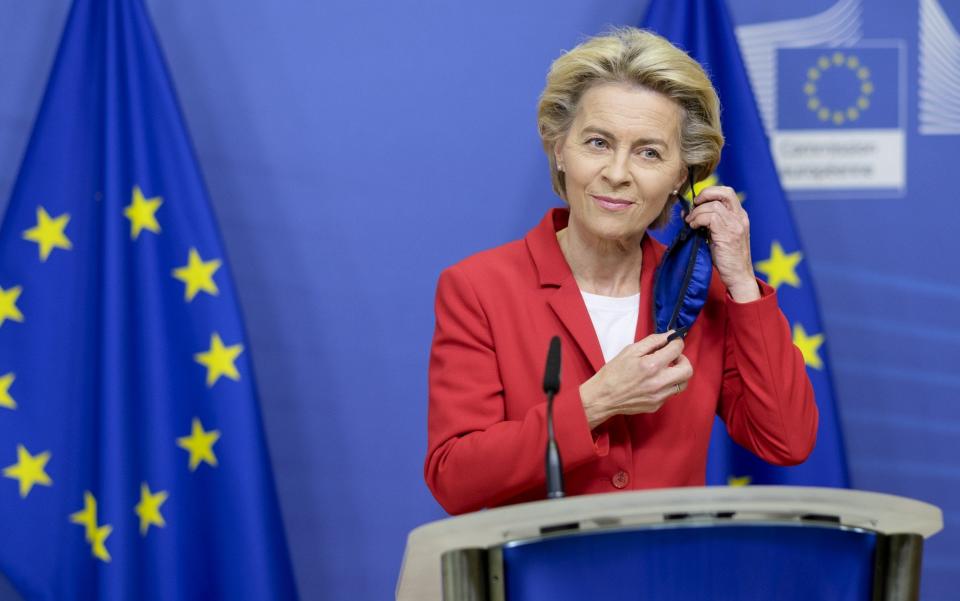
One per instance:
(708, 543)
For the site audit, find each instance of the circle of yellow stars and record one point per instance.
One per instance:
(839, 60)
(197, 275)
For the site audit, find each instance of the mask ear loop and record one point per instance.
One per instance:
(682, 332)
(693, 193)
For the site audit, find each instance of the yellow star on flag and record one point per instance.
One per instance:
(219, 360)
(699, 186)
(738, 481)
(200, 445)
(148, 509)
(197, 274)
(48, 233)
(29, 470)
(8, 304)
(98, 539)
(95, 535)
(809, 346)
(6, 381)
(781, 267)
(142, 213)
(87, 517)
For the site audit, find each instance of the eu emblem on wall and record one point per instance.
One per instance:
(840, 121)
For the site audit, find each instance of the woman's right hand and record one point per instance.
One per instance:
(638, 380)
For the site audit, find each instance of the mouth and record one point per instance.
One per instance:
(612, 204)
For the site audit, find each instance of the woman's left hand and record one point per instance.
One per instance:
(718, 209)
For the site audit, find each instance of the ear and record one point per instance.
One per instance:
(681, 179)
(558, 153)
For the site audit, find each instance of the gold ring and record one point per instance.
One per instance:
(678, 387)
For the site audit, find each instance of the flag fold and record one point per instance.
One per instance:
(133, 457)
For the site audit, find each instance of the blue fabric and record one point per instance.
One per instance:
(682, 281)
(703, 28)
(719, 563)
(107, 354)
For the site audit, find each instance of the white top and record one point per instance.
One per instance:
(614, 319)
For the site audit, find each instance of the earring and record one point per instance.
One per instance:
(675, 192)
(560, 167)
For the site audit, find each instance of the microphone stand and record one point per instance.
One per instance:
(551, 385)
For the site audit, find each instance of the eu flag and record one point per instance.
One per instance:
(703, 28)
(838, 88)
(132, 454)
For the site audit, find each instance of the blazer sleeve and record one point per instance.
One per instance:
(766, 398)
(476, 457)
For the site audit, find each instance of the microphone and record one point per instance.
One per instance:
(551, 385)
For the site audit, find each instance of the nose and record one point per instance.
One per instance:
(617, 170)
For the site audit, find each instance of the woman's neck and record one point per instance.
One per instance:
(607, 267)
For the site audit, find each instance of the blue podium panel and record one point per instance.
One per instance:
(716, 562)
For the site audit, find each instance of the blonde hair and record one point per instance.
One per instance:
(634, 56)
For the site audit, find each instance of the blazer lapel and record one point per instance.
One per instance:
(567, 303)
(652, 252)
(566, 300)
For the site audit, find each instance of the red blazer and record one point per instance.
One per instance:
(496, 312)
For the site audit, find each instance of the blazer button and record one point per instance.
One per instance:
(620, 479)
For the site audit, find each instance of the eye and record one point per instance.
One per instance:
(598, 143)
(649, 153)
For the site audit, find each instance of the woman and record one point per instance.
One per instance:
(623, 119)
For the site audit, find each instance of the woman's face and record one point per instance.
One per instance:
(621, 160)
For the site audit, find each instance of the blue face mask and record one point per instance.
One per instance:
(682, 280)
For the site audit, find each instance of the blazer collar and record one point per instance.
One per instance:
(567, 301)
(545, 249)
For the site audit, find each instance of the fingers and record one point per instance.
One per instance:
(651, 343)
(707, 215)
(668, 353)
(672, 380)
(635, 382)
(717, 200)
(718, 217)
(719, 220)
(724, 194)
(654, 352)
(714, 205)
(678, 375)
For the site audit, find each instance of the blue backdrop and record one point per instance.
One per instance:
(354, 148)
